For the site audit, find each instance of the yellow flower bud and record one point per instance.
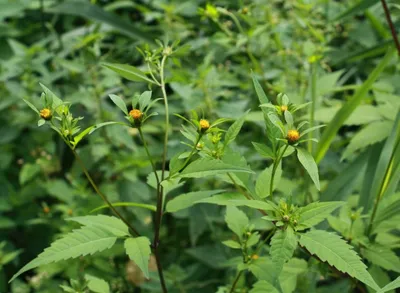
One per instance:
(204, 124)
(293, 136)
(135, 114)
(284, 108)
(254, 257)
(45, 114)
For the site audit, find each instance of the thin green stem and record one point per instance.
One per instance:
(313, 103)
(149, 155)
(235, 282)
(260, 245)
(275, 166)
(234, 18)
(166, 115)
(239, 188)
(382, 189)
(152, 75)
(103, 197)
(192, 152)
(160, 189)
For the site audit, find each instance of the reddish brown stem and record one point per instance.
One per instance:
(391, 25)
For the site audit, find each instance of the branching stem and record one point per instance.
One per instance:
(103, 197)
(274, 167)
(235, 282)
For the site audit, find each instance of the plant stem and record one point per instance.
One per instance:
(313, 102)
(192, 152)
(166, 116)
(275, 166)
(239, 188)
(152, 75)
(103, 197)
(382, 189)
(235, 282)
(149, 155)
(160, 189)
(160, 271)
(390, 23)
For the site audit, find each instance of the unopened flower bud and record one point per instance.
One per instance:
(284, 108)
(204, 124)
(285, 218)
(45, 114)
(136, 114)
(293, 136)
(167, 51)
(254, 257)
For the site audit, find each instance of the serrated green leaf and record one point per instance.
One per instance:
(370, 134)
(186, 200)
(223, 199)
(391, 286)
(97, 285)
(333, 127)
(81, 242)
(333, 249)
(307, 160)
(264, 181)
(386, 211)
(255, 204)
(315, 213)
(389, 160)
(108, 223)
(382, 256)
(138, 250)
(237, 220)
(119, 103)
(283, 245)
(129, 72)
(263, 287)
(206, 166)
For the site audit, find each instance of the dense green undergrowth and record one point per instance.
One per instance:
(193, 146)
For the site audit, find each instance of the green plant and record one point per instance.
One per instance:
(209, 178)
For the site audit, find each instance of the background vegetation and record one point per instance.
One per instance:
(339, 55)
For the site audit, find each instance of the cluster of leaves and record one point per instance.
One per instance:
(258, 194)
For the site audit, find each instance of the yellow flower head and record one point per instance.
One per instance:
(254, 257)
(293, 136)
(45, 114)
(135, 114)
(284, 108)
(204, 124)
